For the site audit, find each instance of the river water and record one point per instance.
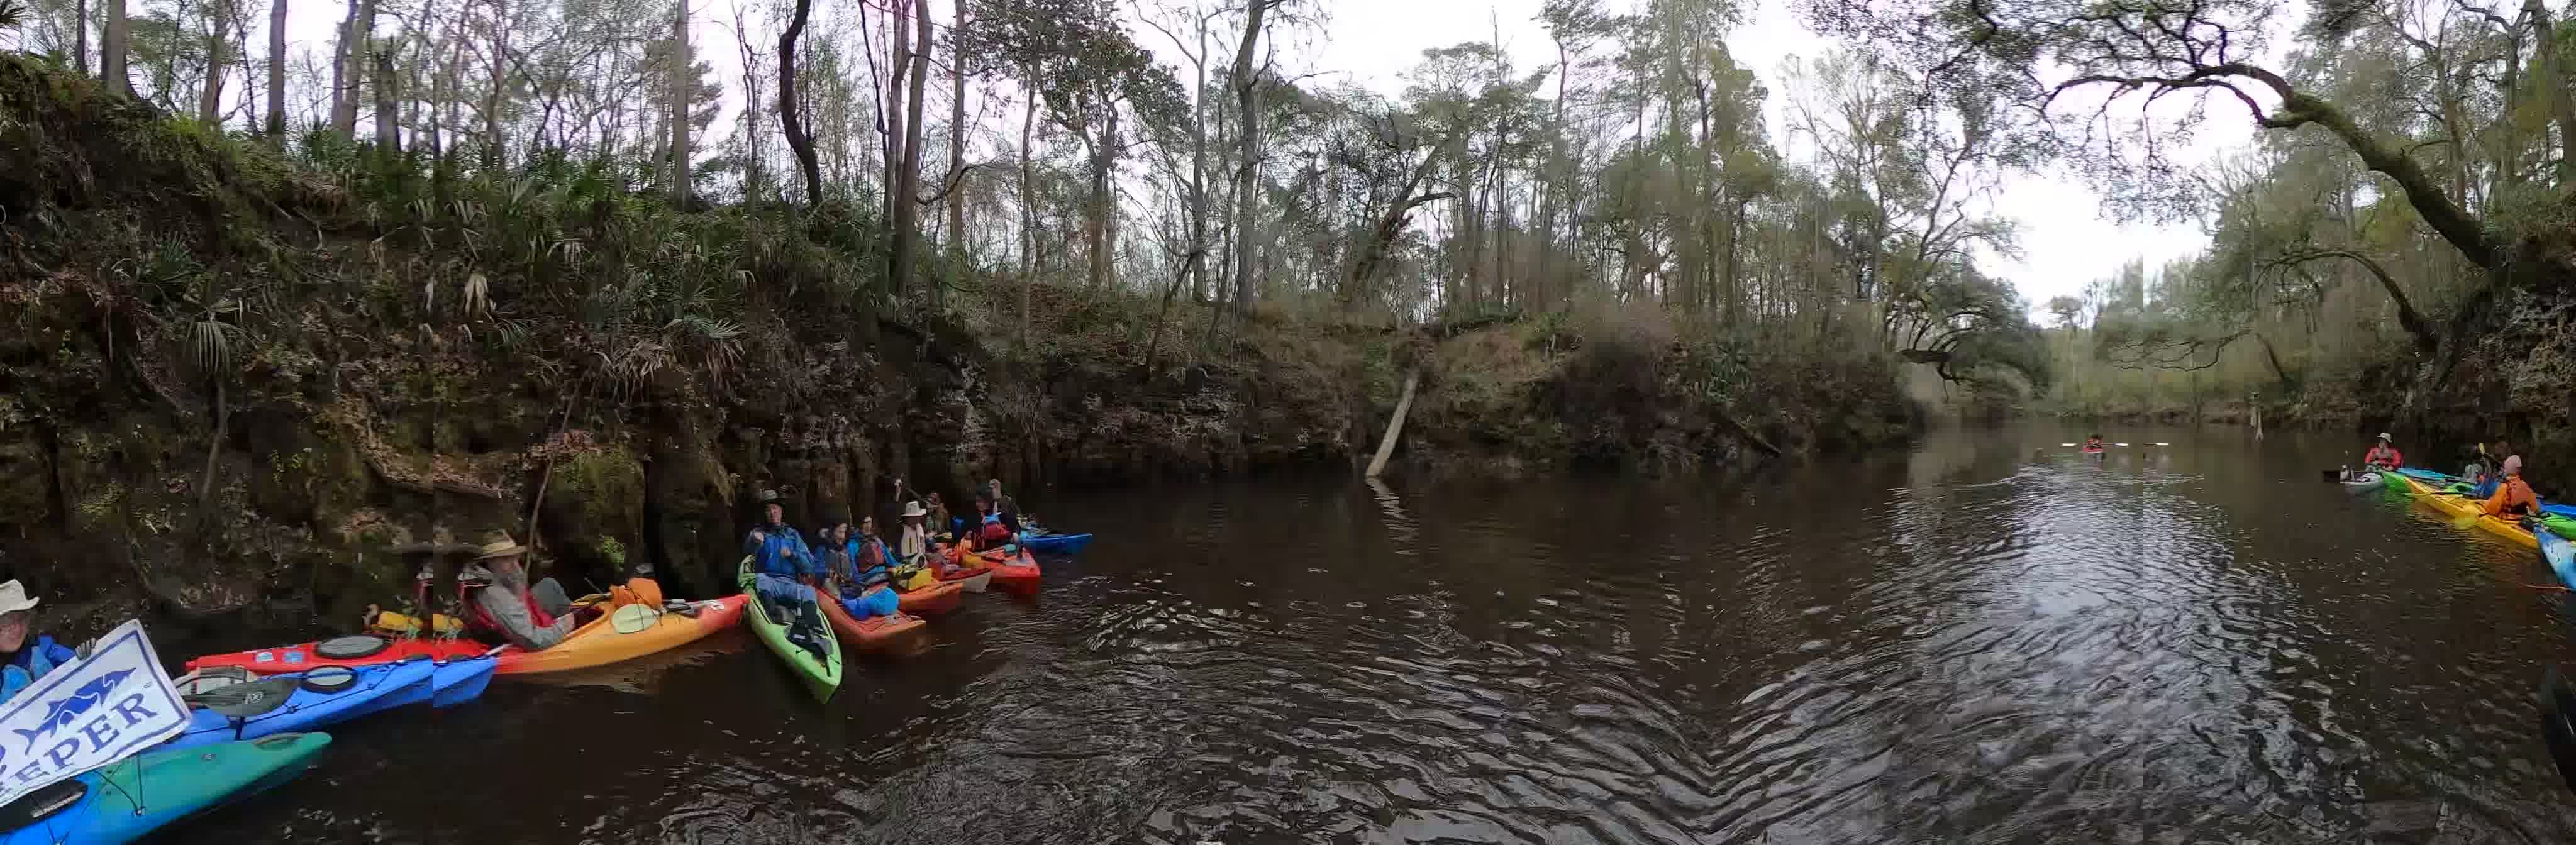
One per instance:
(1979, 640)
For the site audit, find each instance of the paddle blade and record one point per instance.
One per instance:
(2162, 443)
(2066, 444)
(2556, 704)
(2119, 444)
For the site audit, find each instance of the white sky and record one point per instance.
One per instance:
(2066, 241)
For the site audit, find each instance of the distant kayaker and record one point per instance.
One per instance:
(2383, 455)
(941, 520)
(500, 603)
(2093, 443)
(24, 661)
(2512, 496)
(1002, 502)
(781, 565)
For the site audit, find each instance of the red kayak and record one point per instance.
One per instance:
(352, 651)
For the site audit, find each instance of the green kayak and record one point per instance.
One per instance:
(821, 671)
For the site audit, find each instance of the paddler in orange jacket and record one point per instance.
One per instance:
(2512, 496)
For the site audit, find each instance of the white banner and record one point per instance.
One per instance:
(88, 713)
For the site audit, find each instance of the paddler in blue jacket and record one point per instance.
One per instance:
(26, 661)
(781, 567)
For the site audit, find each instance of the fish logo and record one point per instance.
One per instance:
(63, 710)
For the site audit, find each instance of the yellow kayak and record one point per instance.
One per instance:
(2463, 507)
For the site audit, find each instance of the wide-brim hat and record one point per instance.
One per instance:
(769, 497)
(914, 509)
(2384, 436)
(14, 598)
(498, 544)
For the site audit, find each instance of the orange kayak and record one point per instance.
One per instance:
(933, 600)
(627, 632)
(872, 635)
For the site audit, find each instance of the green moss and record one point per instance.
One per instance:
(605, 488)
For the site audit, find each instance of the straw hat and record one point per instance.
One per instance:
(914, 509)
(497, 543)
(14, 598)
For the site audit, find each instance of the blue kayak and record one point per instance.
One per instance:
(461, 680)
(122, 802)
(2428, 475)
(2560, 552)
(1055, 544)
(250, 709)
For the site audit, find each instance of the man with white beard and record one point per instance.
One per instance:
(503, 603)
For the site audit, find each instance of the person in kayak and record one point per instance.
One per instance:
(499, 601)
(2383, 455)
(857, 567)
(25, 661)
(2490, 476)
(2512, 496)
(2093, 443)
(993, 528)
(915, 542)
(781, 567)
(938, 520)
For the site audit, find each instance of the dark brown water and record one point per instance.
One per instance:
(1968, 643)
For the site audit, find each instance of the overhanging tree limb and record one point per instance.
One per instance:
(2426, 338)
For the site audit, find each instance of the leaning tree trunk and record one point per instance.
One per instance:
(1394, 425)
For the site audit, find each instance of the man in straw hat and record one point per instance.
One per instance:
(500, 601)
(782, 566)
(915, 541)
(21, 661)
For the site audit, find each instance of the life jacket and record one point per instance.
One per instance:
(480, 621)
(2383, 455)
(994, 534)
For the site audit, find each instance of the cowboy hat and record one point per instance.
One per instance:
(497, 543)
(769, 497)
(914, 509)
(14, 598)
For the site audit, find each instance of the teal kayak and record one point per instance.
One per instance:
(819, 666)
(143, 793)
